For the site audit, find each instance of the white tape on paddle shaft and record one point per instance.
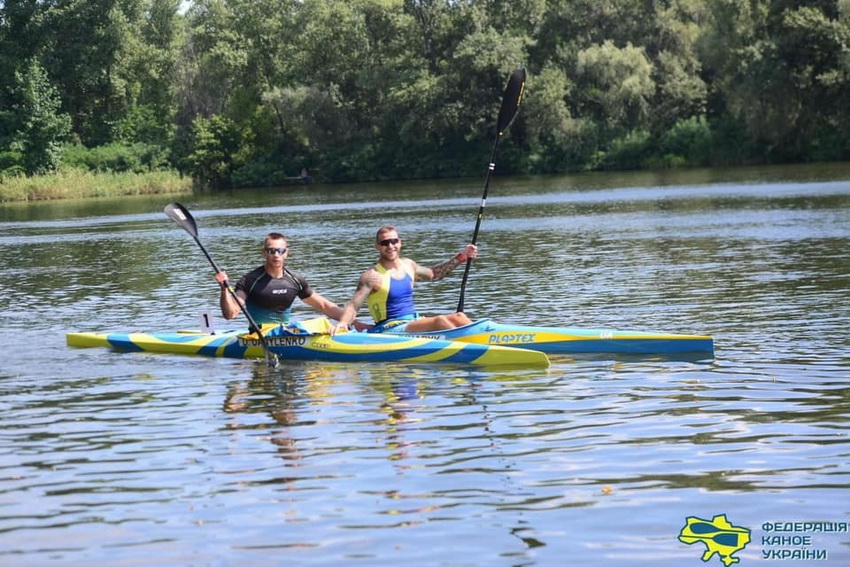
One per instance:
(207, 322)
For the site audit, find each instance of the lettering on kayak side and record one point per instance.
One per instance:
(274, 341)
(511, 338)
(322, 342)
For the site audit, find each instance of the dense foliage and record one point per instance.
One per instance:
(249, 92)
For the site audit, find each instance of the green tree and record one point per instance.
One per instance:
(83, 43)
(614, 86)
(215, 149)
(111, 60)
(41, 129)
(781, 69)
(681, 92)
(445, 116)
(557, 140)
(149, 68)
(632, 65)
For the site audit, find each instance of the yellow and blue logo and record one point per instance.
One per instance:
(718, 535)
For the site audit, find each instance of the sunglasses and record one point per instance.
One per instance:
(388, 241)
(280, 251)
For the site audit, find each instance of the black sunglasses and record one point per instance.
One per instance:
(388, 241)
(280, 251)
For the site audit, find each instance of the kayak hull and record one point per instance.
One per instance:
(555, 340)
(343, 347)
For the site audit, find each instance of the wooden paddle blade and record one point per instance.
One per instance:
(181, 215)
(511, 100)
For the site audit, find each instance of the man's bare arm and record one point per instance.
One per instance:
(349, 312)
(440, 271)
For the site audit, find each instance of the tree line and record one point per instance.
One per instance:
(250, 92)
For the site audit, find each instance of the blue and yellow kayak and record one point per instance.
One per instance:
(555, 340)
(312, 342)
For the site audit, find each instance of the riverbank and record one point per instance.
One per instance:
(79, 184)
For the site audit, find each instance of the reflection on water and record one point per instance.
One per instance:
(125, 459)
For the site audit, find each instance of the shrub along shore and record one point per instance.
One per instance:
(80, 184)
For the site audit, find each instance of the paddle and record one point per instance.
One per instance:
(181, 215)
(510, 105)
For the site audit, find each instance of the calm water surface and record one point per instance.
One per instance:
(138, 459)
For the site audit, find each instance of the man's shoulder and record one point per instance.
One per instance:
(255, 273)
(295, 278)
(373, 276)
(370, 272)
(294, 274)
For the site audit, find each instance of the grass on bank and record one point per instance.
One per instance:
(79, 184)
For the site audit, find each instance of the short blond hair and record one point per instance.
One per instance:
(385, 229)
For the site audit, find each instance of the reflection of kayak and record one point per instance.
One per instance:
(555, 340)
(310, 341)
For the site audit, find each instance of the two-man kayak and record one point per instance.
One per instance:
(311, 341)
(555, 340)
(482, 342)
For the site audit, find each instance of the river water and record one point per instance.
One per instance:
(139, 459)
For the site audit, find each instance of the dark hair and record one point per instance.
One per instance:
(273, 236)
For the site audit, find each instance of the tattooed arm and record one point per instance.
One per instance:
(440, 271)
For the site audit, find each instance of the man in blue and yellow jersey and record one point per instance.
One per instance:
(387, 287)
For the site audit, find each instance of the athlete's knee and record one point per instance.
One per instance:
(456, 320)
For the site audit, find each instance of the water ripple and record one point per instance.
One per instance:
(133, 458)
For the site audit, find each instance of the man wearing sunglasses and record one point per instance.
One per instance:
(387, 287)
(268, 291)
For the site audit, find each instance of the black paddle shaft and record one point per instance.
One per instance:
(511, 100)
(181, 215)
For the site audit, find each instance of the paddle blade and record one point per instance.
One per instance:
(511, 100)
(181, 215)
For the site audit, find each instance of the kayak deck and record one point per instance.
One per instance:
(298, 344)
(555, 340)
